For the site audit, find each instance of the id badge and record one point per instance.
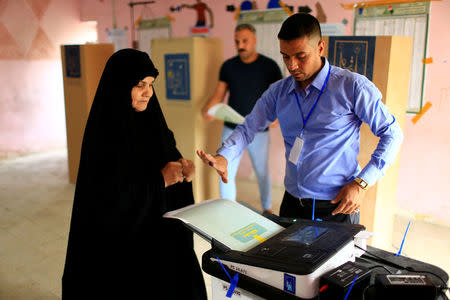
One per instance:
(296, 150)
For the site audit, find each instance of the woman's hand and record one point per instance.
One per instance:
(172, 173)
(188, 169)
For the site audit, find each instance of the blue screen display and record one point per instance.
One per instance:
(306, 235)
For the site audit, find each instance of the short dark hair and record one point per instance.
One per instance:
(299, 25)
(245, 26)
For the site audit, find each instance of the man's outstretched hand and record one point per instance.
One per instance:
(217, 161)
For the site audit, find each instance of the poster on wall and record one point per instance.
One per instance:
(72, 60)
(330, 29)
(118, 37)
(354, 53)
(177, 76)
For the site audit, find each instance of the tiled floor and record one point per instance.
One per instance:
(35, 205)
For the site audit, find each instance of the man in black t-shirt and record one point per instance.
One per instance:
(246, 76)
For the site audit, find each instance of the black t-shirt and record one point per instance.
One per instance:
(247, 82)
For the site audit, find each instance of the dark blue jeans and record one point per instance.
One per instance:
(293, 207)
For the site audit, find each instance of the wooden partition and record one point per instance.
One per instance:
(189, 71)
(82, 68)
(391, 71)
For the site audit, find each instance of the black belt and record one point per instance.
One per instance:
(309, 202)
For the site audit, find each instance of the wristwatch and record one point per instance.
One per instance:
(362, 184)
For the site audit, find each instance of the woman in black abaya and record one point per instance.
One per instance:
(130, 174)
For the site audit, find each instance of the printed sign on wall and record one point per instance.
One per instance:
(177, 76)
(354, 53)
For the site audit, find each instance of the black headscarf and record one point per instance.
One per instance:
(119, 143)
(117, 234)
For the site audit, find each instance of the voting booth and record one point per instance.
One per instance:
(386, 61)
(82, 68)
(189, 71)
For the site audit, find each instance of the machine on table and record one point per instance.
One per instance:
(277, 258)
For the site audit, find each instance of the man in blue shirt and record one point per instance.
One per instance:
(320, 109)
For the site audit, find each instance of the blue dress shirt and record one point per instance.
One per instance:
(328, 159)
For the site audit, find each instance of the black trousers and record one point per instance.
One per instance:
(293, 207)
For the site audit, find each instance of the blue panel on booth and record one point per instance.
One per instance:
(72, 60)
(178, 85)
(354, 53)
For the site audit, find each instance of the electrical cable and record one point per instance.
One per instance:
(380, 266)
(381, 259)
(365, 290)
(376, 266)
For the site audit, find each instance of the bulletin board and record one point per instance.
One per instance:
(406, 19)
(149, 29)
(268, 23)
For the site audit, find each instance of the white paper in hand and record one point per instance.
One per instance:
(224, 112)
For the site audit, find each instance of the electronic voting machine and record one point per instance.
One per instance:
(291, 259)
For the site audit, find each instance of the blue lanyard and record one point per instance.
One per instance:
(317, 100)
